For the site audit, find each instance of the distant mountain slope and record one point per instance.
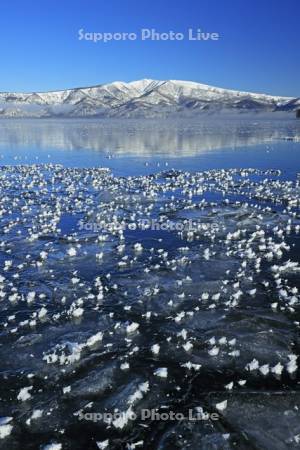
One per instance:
(143, 98)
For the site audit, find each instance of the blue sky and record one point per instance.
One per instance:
(258, 50)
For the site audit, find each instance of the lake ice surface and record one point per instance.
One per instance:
(102, 314)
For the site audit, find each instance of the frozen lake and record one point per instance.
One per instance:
(167, 283)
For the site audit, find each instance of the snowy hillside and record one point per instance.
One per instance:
(143, 98)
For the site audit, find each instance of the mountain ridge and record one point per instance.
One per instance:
(141, 98)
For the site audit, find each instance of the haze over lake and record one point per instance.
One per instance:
(199, 144)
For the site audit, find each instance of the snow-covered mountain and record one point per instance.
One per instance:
(143, 98)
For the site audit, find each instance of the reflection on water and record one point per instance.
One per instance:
(144, 138)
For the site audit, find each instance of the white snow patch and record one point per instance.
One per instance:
(221, 406)
(161, 372)
(53, 446)
(24, 393)
(132, 327)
